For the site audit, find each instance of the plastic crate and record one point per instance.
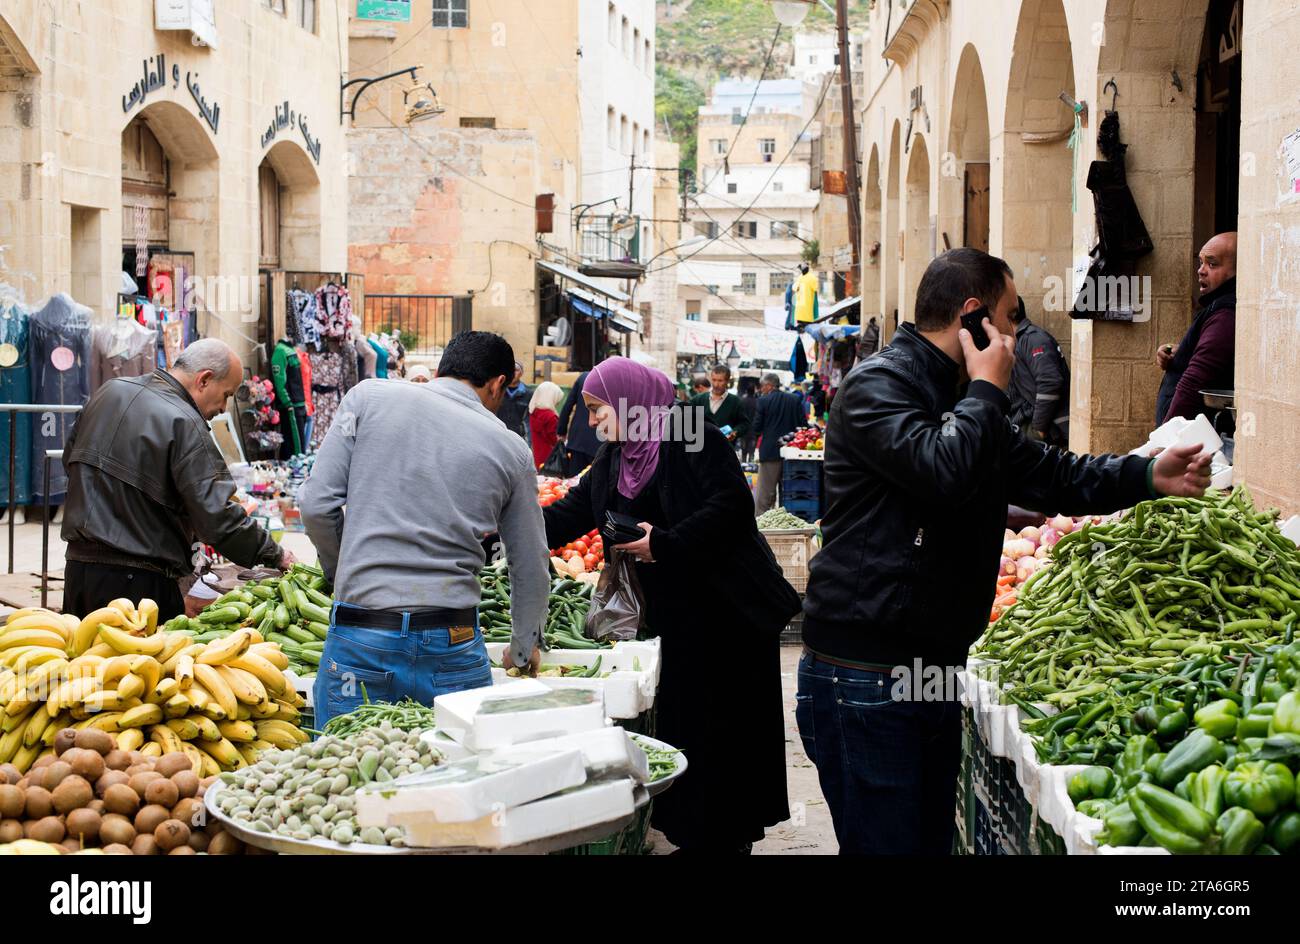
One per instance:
(795, 469)
(809, 509)
(792, 548)
(630, 840)
(801, 488)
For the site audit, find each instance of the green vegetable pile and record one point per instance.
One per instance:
(1175, 577)
(662, 763)
(778, 519)
(290, 610)
(405, 715)
(566, 616)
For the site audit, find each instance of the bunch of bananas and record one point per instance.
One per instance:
(220, 703)
(291, 611)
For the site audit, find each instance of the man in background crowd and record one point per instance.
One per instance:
(777, 414)
(721, 407)
(699, 384)
(1204, 358)
(870, 339)
(1040, 383)
(514, 407)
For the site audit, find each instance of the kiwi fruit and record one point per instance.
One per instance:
(120, 798)
(199, 841)
(170, 834)
(117, 848)
(72, 794)
(11, 830)
(186, 809)
(54, 774)
(47, 829)
(42, 762)
(163, 792)
(144, 844)
(115, 759)
(93, 739)
(181, 850)
(86, 763)
(187, 783)
(223, 843)
(39, 803)
(84, 825)
(141, 781)
(116, 828)
(12, 802)
(150, 818)
(71, 845)
(107, 779)
(170, 764)
(64, 740)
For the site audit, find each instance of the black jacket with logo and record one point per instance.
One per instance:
(1040, 385)
(918, 479)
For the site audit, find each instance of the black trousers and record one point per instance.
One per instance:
(87, 587)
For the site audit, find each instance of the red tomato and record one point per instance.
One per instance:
(580, 546)
(591, 560)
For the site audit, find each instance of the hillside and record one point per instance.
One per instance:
(701, 41)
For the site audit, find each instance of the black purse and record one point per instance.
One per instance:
(556, 462)
(620, 528)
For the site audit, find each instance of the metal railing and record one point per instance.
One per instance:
(14, 409)
(51, 455)
(425, 322)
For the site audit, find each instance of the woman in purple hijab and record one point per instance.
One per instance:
(707, 577)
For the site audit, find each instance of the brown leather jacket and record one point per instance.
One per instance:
(146, 483)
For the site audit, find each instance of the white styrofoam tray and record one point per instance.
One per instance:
(608, 752)
(629, 690)
(482, 728)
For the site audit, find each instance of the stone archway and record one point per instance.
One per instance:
(890, 263)
(918, 237)
(1037, 219)
(299, 206)
(964, 169)
(871, 251)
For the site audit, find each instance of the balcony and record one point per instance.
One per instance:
(615, 238)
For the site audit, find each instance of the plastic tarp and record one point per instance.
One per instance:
(697, 337)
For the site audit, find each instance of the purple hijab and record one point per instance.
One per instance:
(642, 397)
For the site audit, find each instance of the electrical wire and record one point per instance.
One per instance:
(757, 85)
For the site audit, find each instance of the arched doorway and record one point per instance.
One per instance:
(918, 237)
(964, 170)
(870, 252)
(1038, 167)
(170, 204)
(289, 209)
(890, 263)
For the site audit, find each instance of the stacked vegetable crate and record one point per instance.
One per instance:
(792, 548)
(802, 492)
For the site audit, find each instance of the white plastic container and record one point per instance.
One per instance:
(453, 713)
(512, 714)
(609, 752)
(553, 816)
(470, 789)
(1200, 431)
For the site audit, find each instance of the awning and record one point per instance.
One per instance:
(840, 308)
(621, 319)
(824, 331)
(572, 275)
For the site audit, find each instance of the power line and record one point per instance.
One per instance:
(750, 107)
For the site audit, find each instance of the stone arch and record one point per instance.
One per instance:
(871, 251)
(1037, 219)
(964, 168)
(15, 57)
(300, 205)
(918, 239)
(890, 264)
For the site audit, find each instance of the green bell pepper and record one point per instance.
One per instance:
(1284, 831)
(1184, 789)
(1286, 716)
(1152, 767)
(1240, 831)
(1257, 722)
(1219, 718)
(1173, 823)
(1266, 849)
(1271, 691)
(1260, 787)
(1147, 718)
(1195, 752)
(1119, 826)
(1095, 808)
(1172, 725)
(1091, 783)
(1137, 750)
(1207, 789)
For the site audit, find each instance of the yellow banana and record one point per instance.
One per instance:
(10, 686)
(129, 645)
(112, 670)
(167, 689)
(272, 653)
(178, 706)
(294, 698)
(152, 749)
(33, 656)
(54, 727)
(85, 667)
(210, 766)
(45, 678)
(16, 615)
(71, 692)
(217, 687)
(196, 757)
(130, 686)
(184, 672)
(221, 651)
(198, 696)
(9, 722)
(11, 741)
(186, 729)
(36, 726)
(127, 609)
(129, 739)
(248, 750)
(246, 686)
(88, 629)
(245, 712)
(33, 637)
(280, 733)
(169, 739)
(149, 669)
(171, 663)
(27, 756)
(287, 713)
(272, 679)
(208, 729)
(19, 703)
(80, 712)
(141, 715)
(108, 699)
(101, 649)
(105, 721)
(267, 709)
(51, 621)
(237, 731)
(176, 642)
(147, 614)
(223, 752)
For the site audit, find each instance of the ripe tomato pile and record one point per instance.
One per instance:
(550, 492)
(589, 549)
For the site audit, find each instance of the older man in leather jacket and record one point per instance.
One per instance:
(921, 463)
(148, 488)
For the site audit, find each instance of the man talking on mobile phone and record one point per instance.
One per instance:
(921, 463)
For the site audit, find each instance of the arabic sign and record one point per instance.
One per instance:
(286, 117)
(197, 16)
(154, 77)
(390, 11)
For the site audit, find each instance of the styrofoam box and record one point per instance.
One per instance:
(1291, 529)
(628, 691)
(446, 745)
(606, 753)
(553, 816)
(489, 726)
(472, 788)
(453, 712)
(1200, 431)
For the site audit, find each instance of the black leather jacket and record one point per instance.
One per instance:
(918, 479)
(146, 481)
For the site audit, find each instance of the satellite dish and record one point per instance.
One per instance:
(558, 333)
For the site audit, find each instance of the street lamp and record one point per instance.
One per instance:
(733, 357)
(790, 12)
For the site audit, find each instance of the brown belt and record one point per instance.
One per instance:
(840, 663)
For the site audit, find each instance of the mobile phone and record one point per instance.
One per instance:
(973, 321)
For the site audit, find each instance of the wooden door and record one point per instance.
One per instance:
(145, 184)
(976, 233)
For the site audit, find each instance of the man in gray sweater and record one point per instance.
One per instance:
(409, 483)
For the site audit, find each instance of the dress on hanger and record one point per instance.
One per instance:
(60, 365)
(15, 387)
(327, 369)
(122, 349)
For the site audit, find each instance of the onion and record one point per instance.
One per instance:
(1019, 548)
(1009, 535)
(1049, 537)
(1008, 566)
(1025, 568)
(1062, 523)
(1042, 552)
(1030, 533)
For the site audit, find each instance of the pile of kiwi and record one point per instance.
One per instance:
(89, 795)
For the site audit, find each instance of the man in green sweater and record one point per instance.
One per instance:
(721, 407)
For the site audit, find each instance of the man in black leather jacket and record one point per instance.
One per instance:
(918, 478)
(148, 488)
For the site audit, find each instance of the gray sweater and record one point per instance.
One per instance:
(426, 473)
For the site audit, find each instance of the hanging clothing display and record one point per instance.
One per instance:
(123, 349)
(327, 369)
(60, 364)
(366, 358)
(381, 358)
(304, 362)
(333, 311)
(15, 387)
(302, 322)
(805, 299)
(286, 375)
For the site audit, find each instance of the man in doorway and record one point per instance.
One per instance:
(1204, 358)
(870, 339)
(918, 479)
(1040, 383)
(721, 406)
(777, 413)
(405, 573)
(513, 410)
(148, 489)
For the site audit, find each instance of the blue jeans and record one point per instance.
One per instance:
(887, 767)
(392, 664)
